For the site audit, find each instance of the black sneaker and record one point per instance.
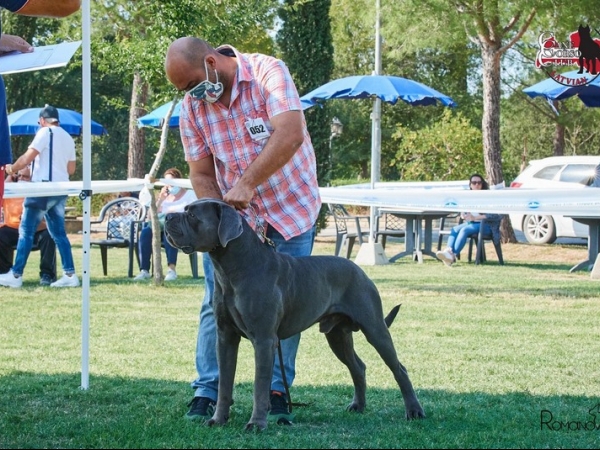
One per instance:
(201, 408)
(46, 280)
(280, 411)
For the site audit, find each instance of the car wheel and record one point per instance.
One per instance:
(539, 229)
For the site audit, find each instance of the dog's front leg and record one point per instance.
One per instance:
(228, 343)
(264, 355)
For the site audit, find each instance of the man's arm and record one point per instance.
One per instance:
(50, 8)
(23, 161)
(281, 146)
(204, 178)
(71, 166)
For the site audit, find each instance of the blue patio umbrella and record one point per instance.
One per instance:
(25, 122)
(306, 103)
(388, 88)
(385, 88)
(552, 90)
(156, 117)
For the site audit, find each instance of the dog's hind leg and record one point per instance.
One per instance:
(342, 344)
(381, 339)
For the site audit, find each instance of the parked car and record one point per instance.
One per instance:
(556, 172)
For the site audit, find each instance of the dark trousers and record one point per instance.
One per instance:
(145, 247)
(42, 240)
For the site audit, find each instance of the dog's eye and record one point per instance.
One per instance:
(191, 214)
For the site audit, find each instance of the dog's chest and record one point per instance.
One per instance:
(230, 312)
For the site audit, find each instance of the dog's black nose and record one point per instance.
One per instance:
(169, 216)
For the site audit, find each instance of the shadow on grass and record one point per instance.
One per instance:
(494, 263)
(49, 411)
(181, 282)
(569, 292)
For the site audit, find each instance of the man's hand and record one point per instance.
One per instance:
(239, 196)
(10, 43)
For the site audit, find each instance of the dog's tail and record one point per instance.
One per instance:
(392, 315)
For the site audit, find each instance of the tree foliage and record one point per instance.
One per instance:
(449, 149)
(305, 45)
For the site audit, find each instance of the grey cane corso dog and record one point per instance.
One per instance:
(266, 296)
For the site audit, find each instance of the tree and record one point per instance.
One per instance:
(306, 47)
(450, 148)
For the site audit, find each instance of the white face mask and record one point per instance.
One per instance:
(206, 90)
(174, 190)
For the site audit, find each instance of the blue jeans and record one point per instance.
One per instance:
(55, 222)
(207, 383)
(459, 234)
(145, 247)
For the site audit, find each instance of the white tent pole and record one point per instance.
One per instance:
(86, 192)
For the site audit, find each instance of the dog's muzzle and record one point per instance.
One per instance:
(173, 231)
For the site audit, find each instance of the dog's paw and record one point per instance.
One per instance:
(256, 427)
(355, 407)
(216, 421)
(415, 413)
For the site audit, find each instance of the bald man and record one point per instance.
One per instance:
(246, 142)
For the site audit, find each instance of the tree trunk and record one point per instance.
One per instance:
(490, 125)
(154, 223)
(558, 143)
(137, 140)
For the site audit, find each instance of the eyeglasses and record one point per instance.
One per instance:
(476, 182)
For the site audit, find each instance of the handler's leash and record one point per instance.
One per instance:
(285, 383)
(259, 226)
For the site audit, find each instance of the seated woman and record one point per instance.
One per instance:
(10, 220)
(171, 199)
(459, 234)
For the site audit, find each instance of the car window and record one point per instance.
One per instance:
(548, 173)
(577, 173)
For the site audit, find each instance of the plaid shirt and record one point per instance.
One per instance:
(263, 88)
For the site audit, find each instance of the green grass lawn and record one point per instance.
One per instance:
(500, 356)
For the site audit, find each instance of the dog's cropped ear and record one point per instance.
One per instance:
(230, 225)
